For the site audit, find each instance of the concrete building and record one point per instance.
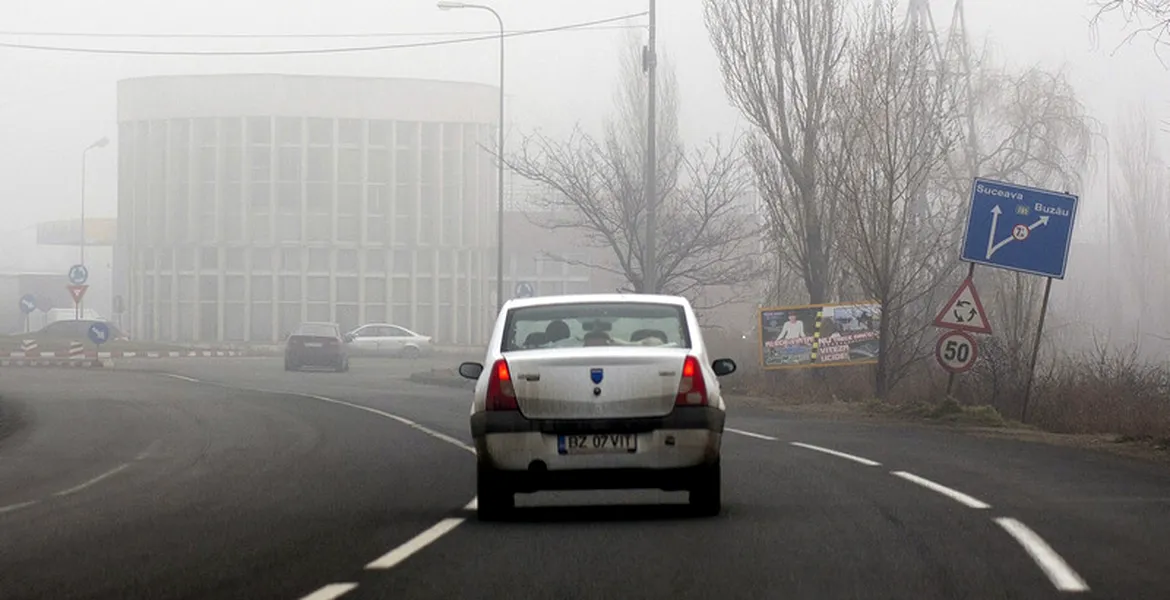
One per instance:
(250, 203)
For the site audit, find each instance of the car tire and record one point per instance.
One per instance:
(288, 366)
(493, 500)
(706, 494)
(411, 352)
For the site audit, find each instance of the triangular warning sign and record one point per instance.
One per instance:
(964, 311)
(78, 292)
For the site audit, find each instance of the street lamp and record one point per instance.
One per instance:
(101, 143)
(448, 5)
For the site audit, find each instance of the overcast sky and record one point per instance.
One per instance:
(55, 104)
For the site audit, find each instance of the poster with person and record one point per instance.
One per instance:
(788, 335)
(820, 335)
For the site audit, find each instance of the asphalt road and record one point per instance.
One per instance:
(229, 478)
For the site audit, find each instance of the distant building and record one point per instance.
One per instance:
(250, 203)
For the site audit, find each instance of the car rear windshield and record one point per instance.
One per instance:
(596, 324)
(316, 330)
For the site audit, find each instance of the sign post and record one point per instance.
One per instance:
(1022, 229)
(78, 275)
(28, 303)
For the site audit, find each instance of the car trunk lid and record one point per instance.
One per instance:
(563, 383)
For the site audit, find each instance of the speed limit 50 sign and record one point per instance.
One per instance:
(956, 351)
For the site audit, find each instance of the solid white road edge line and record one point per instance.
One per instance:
(331, 591)
(955, 495)
(427, 430)
(182, 377)
(758, 436)
(1059, 573)
(93, 481)
(420, 541)
(14, 507)
(857, 459)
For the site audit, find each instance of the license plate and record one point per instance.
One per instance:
(596, 443)
(313, 344)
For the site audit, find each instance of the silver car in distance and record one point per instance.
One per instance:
(600, 391)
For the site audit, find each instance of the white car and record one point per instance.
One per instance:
(604, 391)
(387, 339)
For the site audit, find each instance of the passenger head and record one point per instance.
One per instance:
(556, 331)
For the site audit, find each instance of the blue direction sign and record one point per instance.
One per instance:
(525, 289)
(1019, 228)
(28, 303)
(78, 274)
(99, 333)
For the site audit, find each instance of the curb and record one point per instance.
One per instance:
(125, 354)
(74, 363)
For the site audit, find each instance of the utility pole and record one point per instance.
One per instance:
(650, 65)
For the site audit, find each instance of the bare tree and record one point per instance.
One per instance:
(779, 59)
(706, 229)
(1150, 17)
(894, 129)
(1143, 236)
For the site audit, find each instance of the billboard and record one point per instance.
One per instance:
(820, 335)
(98, 232)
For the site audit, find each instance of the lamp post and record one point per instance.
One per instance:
(447, 5)
(101, 143)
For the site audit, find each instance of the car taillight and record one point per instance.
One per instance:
(500, 393)
(692, 390)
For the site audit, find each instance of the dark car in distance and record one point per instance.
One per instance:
(316, 345)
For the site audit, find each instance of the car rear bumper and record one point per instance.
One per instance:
(322, 357)
(689, 437)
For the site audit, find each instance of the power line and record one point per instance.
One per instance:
(262, 36)
(297, 51)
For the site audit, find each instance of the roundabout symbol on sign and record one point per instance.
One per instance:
(78, 274)
(956, 351)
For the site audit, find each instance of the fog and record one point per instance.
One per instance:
(55, 104)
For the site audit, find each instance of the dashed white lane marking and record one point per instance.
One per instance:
(1059, 573)
(95, 480)
(758, 436)
(148, 451)
(427, 430)
(420, 541)
(857, 459)
(182, 377)
(955, 495)
(15, 507)
(331, 591)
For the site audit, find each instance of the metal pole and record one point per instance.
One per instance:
(1035, 351)
(500, 178)
(81, 242)
(650, 65)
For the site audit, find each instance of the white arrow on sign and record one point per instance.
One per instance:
(992, 246)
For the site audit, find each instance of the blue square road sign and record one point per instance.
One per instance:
(1019, 228)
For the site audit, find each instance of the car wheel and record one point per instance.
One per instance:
(288, 366)
(493, 499)
(410, 352)
(707, 493)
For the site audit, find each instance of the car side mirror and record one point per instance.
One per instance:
(471, 370)
(349, 337)
(723, 366)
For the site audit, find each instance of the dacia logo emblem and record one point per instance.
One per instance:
(596, 375)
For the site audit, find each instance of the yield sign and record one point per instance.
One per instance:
(964, 311)
(78, 292)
